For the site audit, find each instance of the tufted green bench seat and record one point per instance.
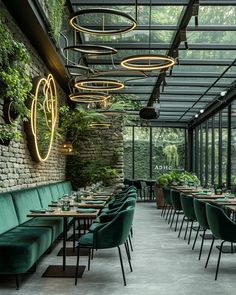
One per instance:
(23, 240)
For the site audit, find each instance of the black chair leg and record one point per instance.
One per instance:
(172, 220)
(77, 265)
(171, 211)
(18, 281)
(203, 237)
(218, 262)
(128, 255)
(122, 267)
(176, 223)
(130, 242)
(92, 254)
(196, 236)
(190, 233)
(168, 211)
(180, 230)
(186, 230)
(89, 258)
(131, 232)
(209, 254)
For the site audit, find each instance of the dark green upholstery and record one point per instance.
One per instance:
(222, 228)
(54, 191)
(200, 212)
(67, 187)
(167, 197)
(45, 195)
(21, 247)
(175, 200)
(187, 206)
(24, 201)
(113, 234)
(8, 218)
(220, 224)
(61, 189)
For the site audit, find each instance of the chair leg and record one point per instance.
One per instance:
(77, 265)
(218, 262)
(89, 258)
(196, 236)
(186, 230)
(130, 242)
(176, 223)
(171, 211)
(209, 254)
(74, 225)
(172, 220)
(122, 267)
(163, 209)
(131, 232)
(168, 211)
(92, 254)
(181, 226)
(128, 255)
(203, 237)
(18, 281)
(190, 233)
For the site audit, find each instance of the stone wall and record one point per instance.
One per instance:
(17, 169)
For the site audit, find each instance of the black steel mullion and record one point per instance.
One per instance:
(229, 151)
(197, 151)
(201, 155)
(220, 150)
(133, 152)
(206, 156)
(213, 151)
(150, 151)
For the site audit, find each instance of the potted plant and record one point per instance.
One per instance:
(106, 174)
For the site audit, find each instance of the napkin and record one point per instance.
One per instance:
(221, 200)
(38, 210)
(86, 210)
(94, 202)
(200, 193)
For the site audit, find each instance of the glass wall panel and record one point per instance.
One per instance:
(216, 149)
(128, 151)
(168, 150)
(224, 144)
(233, 146)
(203, 154)
(209, 152)
(141, 152)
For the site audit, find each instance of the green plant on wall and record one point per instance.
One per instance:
(171, 153)
(56, 11)
(75, 123)
(15, 83)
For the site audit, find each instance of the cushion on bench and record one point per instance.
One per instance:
(8, 218)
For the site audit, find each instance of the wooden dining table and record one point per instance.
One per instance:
(65, 271)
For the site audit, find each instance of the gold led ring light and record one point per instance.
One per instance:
(97, 84)
(91, 49)
(160, 62)
(102, 11)
(88, 97)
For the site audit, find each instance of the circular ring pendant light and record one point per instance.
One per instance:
(91, 49)
(99, 84)
(88, 97)
(100, 125)
(75, 20)
(147, 62)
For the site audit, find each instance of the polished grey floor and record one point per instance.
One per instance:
(163, 265)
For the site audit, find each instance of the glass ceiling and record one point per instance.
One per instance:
(207, 54)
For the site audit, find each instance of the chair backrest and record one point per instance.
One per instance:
(116, 232)
(167, 192)
(187, 206)
(200, 212)
(175, 199)
(220, 224)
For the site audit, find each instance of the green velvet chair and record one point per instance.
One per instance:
(222, 227)
(167, 208)
(189, 215)
(113, 234)
(200, 212)
(176, 203)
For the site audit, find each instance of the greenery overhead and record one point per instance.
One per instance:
(14, 80)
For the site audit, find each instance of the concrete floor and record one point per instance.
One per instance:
(162, 263)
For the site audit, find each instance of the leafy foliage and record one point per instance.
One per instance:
(177, 178)
(14, 79)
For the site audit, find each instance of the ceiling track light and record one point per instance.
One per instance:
(89, 97)
(91, 49)
(99, 84)
(144, 62)
(75, 20)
